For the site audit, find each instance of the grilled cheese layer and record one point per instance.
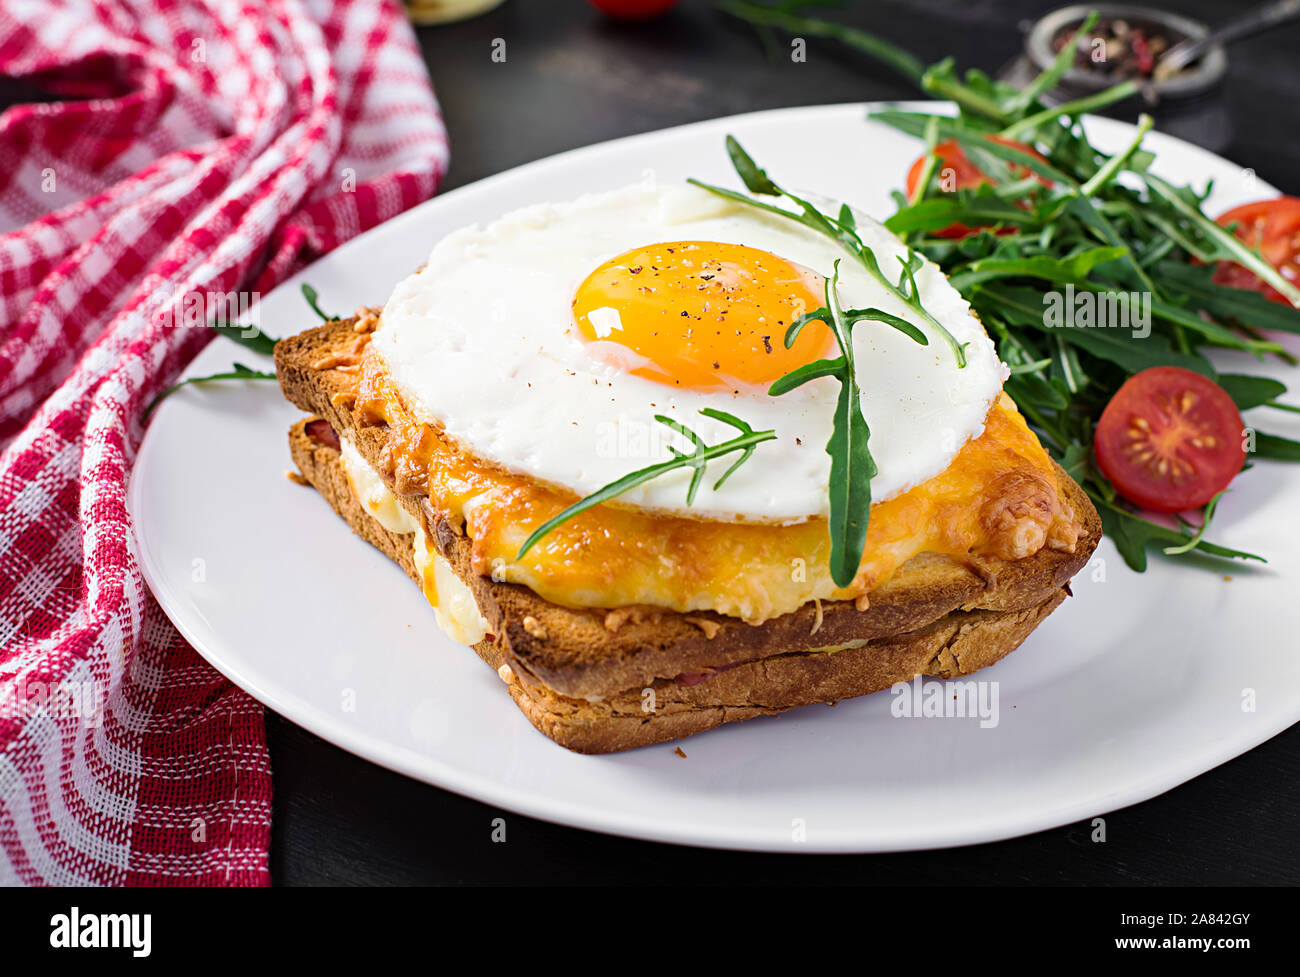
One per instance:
(454, 606)
(999, 497)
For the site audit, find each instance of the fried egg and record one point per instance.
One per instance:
(546, 342)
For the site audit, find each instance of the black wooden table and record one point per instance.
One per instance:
(570, 78)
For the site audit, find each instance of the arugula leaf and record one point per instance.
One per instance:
(1112, 166)
(972, 207)
(1213, 333)
(1242, 305)
(844, 233)
(1024, 306)
(927, 169)
(1223, 245)
(1048, 79)
(237, 372)
(876, 315)
(941, 81)
(311, 295)
(1199, 535)
(1094, 221)
(755, 179)
(1029, 125)
(258, 342)
(915, 123)
(1073, 268)
(1276, 447)
(783, 17)
(803, 374)
(852, 467)
(745, 442)
(1119, 347)
(1030, 389)
(853, 316)
(1132, 534)
(1248, 391)
(1075, 461)
(1035, 234)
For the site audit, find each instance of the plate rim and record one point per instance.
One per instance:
(488, 790)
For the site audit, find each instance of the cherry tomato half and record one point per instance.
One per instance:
(965, 175)
(1273, 228)
(1170, 439)
(634, 9)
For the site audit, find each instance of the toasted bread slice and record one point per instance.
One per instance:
(582, 675)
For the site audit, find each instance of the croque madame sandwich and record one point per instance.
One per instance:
(666, 459)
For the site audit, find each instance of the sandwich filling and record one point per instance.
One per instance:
(453, 603)
(999, 496)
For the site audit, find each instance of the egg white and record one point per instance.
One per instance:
(482, 342)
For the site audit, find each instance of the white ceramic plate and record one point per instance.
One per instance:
(1133, 686)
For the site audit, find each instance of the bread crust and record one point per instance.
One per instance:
(581, 674)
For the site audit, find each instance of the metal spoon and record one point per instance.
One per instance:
(1185, 52)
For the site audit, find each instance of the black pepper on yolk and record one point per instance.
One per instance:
(702, 315)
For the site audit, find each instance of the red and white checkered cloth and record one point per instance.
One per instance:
(193, 145)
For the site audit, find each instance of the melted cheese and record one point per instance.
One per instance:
(373, 494)
(453, 602)
(454, 606)
(999, 496)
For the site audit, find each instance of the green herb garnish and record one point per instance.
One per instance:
(237, 372)
(312, 297)
(744, 442)
(1100, 224)
(259, 342)
(841, 229)
(852, 467)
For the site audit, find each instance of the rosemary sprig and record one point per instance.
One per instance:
(237, 372)
(745, 442)
(258, 342)
(841, 229)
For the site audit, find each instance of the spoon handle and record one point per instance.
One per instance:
(1267, 15)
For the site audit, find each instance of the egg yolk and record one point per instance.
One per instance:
(701, 314)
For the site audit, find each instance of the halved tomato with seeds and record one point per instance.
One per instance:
(1170, 439)
(1272, 227)
(965, 175)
